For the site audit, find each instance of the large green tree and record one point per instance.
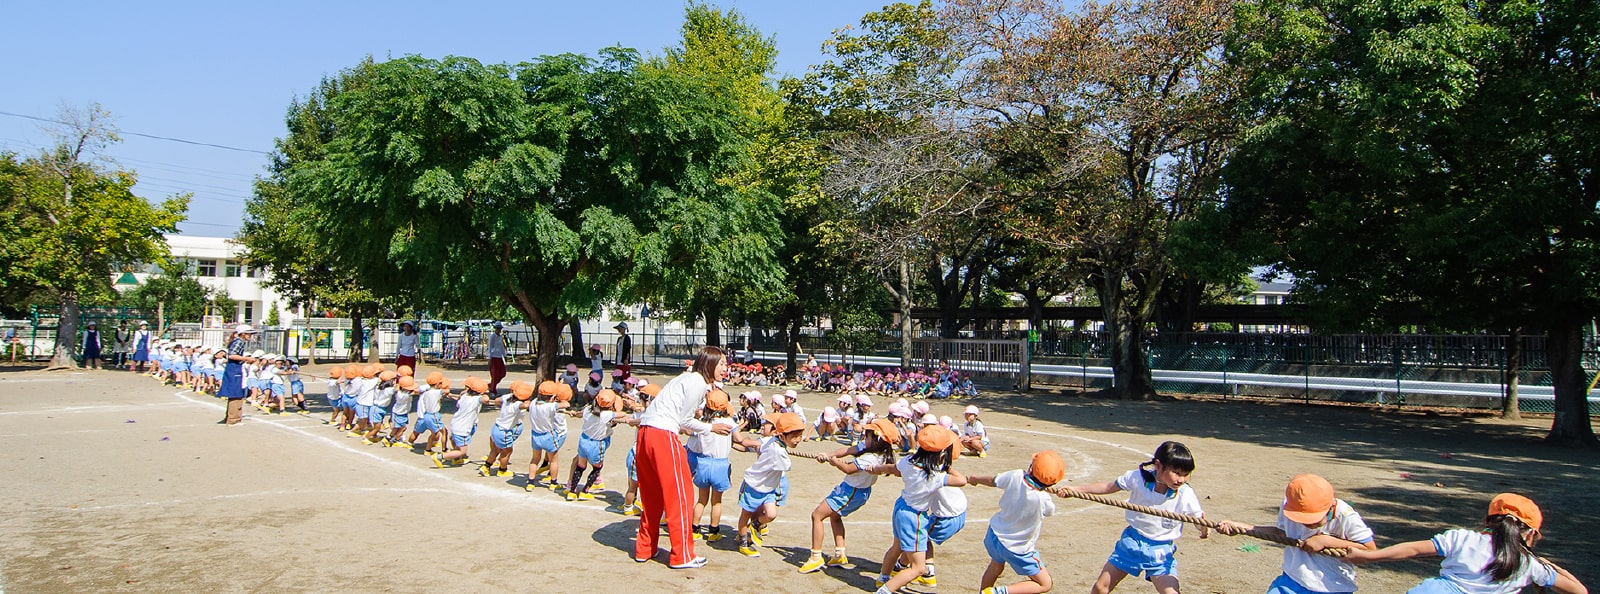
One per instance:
(176, 292)
(1433, 157)
(552, 186)
(72, 221)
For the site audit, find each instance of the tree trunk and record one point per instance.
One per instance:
(1035, 307)
(358, 337)
(1564, 349)
(66, 333)
(792, 346)
(578, 352)
(713, 317)
(549, 344)
(1509, 408)
(903, 299)
(1130, 371)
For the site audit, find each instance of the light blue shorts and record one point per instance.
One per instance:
(910, 527)
(428, 422)
(363, 412)
(1434, 586)
(593, 450)
(277, 389)
(711, 473)
(633, 475)
(375, 414)
(945, 528)
(751, 500)
(460, 440)
(400, 420)
(1027, 565)
(249, 383)
(1286, 585)
(297, 387)
(547, 442)
(348, 402)
(846, 499)
(783, 489)
(1138, 555)
(504, 439)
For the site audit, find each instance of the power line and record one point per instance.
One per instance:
(141, 134)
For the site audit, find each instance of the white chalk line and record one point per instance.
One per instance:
(1077, 437)
(189, 500)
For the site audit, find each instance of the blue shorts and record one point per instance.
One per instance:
(783, 489)
(336, 402)
(348, 403)
(548, 442)
(400, 420)
(460, 440)
(1434, 586)
(180, 368)
(362, 412)
(1138, 555)
(276, 389)
(1027, 565)
(503, 438)
(375, 414)
(751, 500)
(911, 527)
(710, 473)
(845, 498)
(1286, 585)
(297, 387)
(945, 528)
(428, 422)
(633, 475)
(593, 450)
(249, 383)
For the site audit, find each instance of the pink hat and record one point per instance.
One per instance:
(863, 400)
(594, 375)
(928, 419)
(920, 408)
(830, 415)
(616, 373)
(899, 410)
(845, 400)
(777, 399)
(752, 396)
(790, 394)
(902, 402)
(971, 410)
(632, 381)
(947, 422)
(572, 368)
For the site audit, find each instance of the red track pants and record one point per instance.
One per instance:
(664, 489)
(497, 372)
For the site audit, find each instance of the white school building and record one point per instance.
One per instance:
(215, 262)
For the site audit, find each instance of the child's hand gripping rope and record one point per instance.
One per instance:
(1069, 493)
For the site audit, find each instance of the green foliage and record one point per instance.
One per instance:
(176, 291)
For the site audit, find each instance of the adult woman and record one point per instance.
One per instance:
(233, 375)
(141, 348)
(91, 347)
(497, 358)
(662, 466)
(124, 339)
(406, 351)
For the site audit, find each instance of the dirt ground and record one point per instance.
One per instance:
(114, 483)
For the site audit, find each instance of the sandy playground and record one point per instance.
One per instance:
(115, 483)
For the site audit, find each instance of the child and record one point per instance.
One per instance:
(352, 387)
(750, 411)
(569, 376)
(464, 423)
(708, 462)
(366, 393)
(647, 391)
(599, 418)
(827, 423)
(507, 428)
(297, 388)
(401, 413)
(428, 413)
(1311, 515)
(335, 394)
(876, 449)
(758, 496)
(275, 374)
(1013, 536)
(924, 473)
(591, 389)
(1495, 559)
(548, 433)
(378, 411)
(1147, 544)
(974, 439)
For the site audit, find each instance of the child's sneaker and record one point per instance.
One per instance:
(571, 496)
(586, 496)
(698, 532)
(599, 485)
(437, 463)
(812, 564)
(713, 533)
(839, 561)
(927, 580)
(486, 471)
(530, 486)
(755, 533)
(632, 510)
(748, 549)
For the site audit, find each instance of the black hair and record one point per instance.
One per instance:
(1170, 454)
(1509, 536)
(931, 462)
(876, 443)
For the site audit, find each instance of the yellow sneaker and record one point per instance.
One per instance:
(812, 564)
(572, 496)
(528, 488)
(437, 463)
(486, 471)
(714, 534)
(632, 510)
(927, 580)
(586, 496)
(749, 550)
(839, 561)
(755, 536)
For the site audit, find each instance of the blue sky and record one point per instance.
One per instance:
(224, 72)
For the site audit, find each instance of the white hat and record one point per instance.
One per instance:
(829, 415)
(947, 422)
(929, 419)
(777, 399)
(971, 410)
(920, 407)
(844, 399)
(258, 354)
(863, 400)
(143, 324)
(243, 329)
(790, 394)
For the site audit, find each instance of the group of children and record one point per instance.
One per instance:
(272, 381)
(942, 382)
(909, 442)
(756, 374)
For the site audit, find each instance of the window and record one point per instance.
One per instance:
(247, 312)
(1271, 299)
(205, 268)
(253, 272)
(232, 269)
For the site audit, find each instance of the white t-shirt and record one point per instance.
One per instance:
(350, 387)
(677, 403)
(466, 417)
(367, 391)
(767, 472)
(1182, 501)
(864, 480)
(920, 487)
(407, 346)
(1022, 512)
(402, 401)
(796, 409)
(974, 429)
(543, 417)
(1321, 573)
(510, 413)
(429, 403)
(497, 346)
(707, 443)
(1467, 552)
(597, 425)
(335, 390)
(384, 397)
(949, 502)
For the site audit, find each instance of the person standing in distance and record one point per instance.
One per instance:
(624, 359)
(497, 358)
(406, 349)
(233, 375)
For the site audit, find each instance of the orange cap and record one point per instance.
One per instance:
(370, 371)
(652, 389)
(563, 393)
(1047, 467)
(1307, 499)
(477, 384)
(886, 430)
(717, 399)
(404, 370)
(934, 438)
(336, 373)
(388, 376)
(521, 390)
(549, 388)
(351, 371)
(785, 422)
(606, 399)
(1518, 507)
(407, 383)
(444, 384)
(434, 378)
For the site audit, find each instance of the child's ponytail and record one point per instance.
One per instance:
(1170, 454)
(1509, 536)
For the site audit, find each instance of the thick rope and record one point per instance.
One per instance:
(1196, 520)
